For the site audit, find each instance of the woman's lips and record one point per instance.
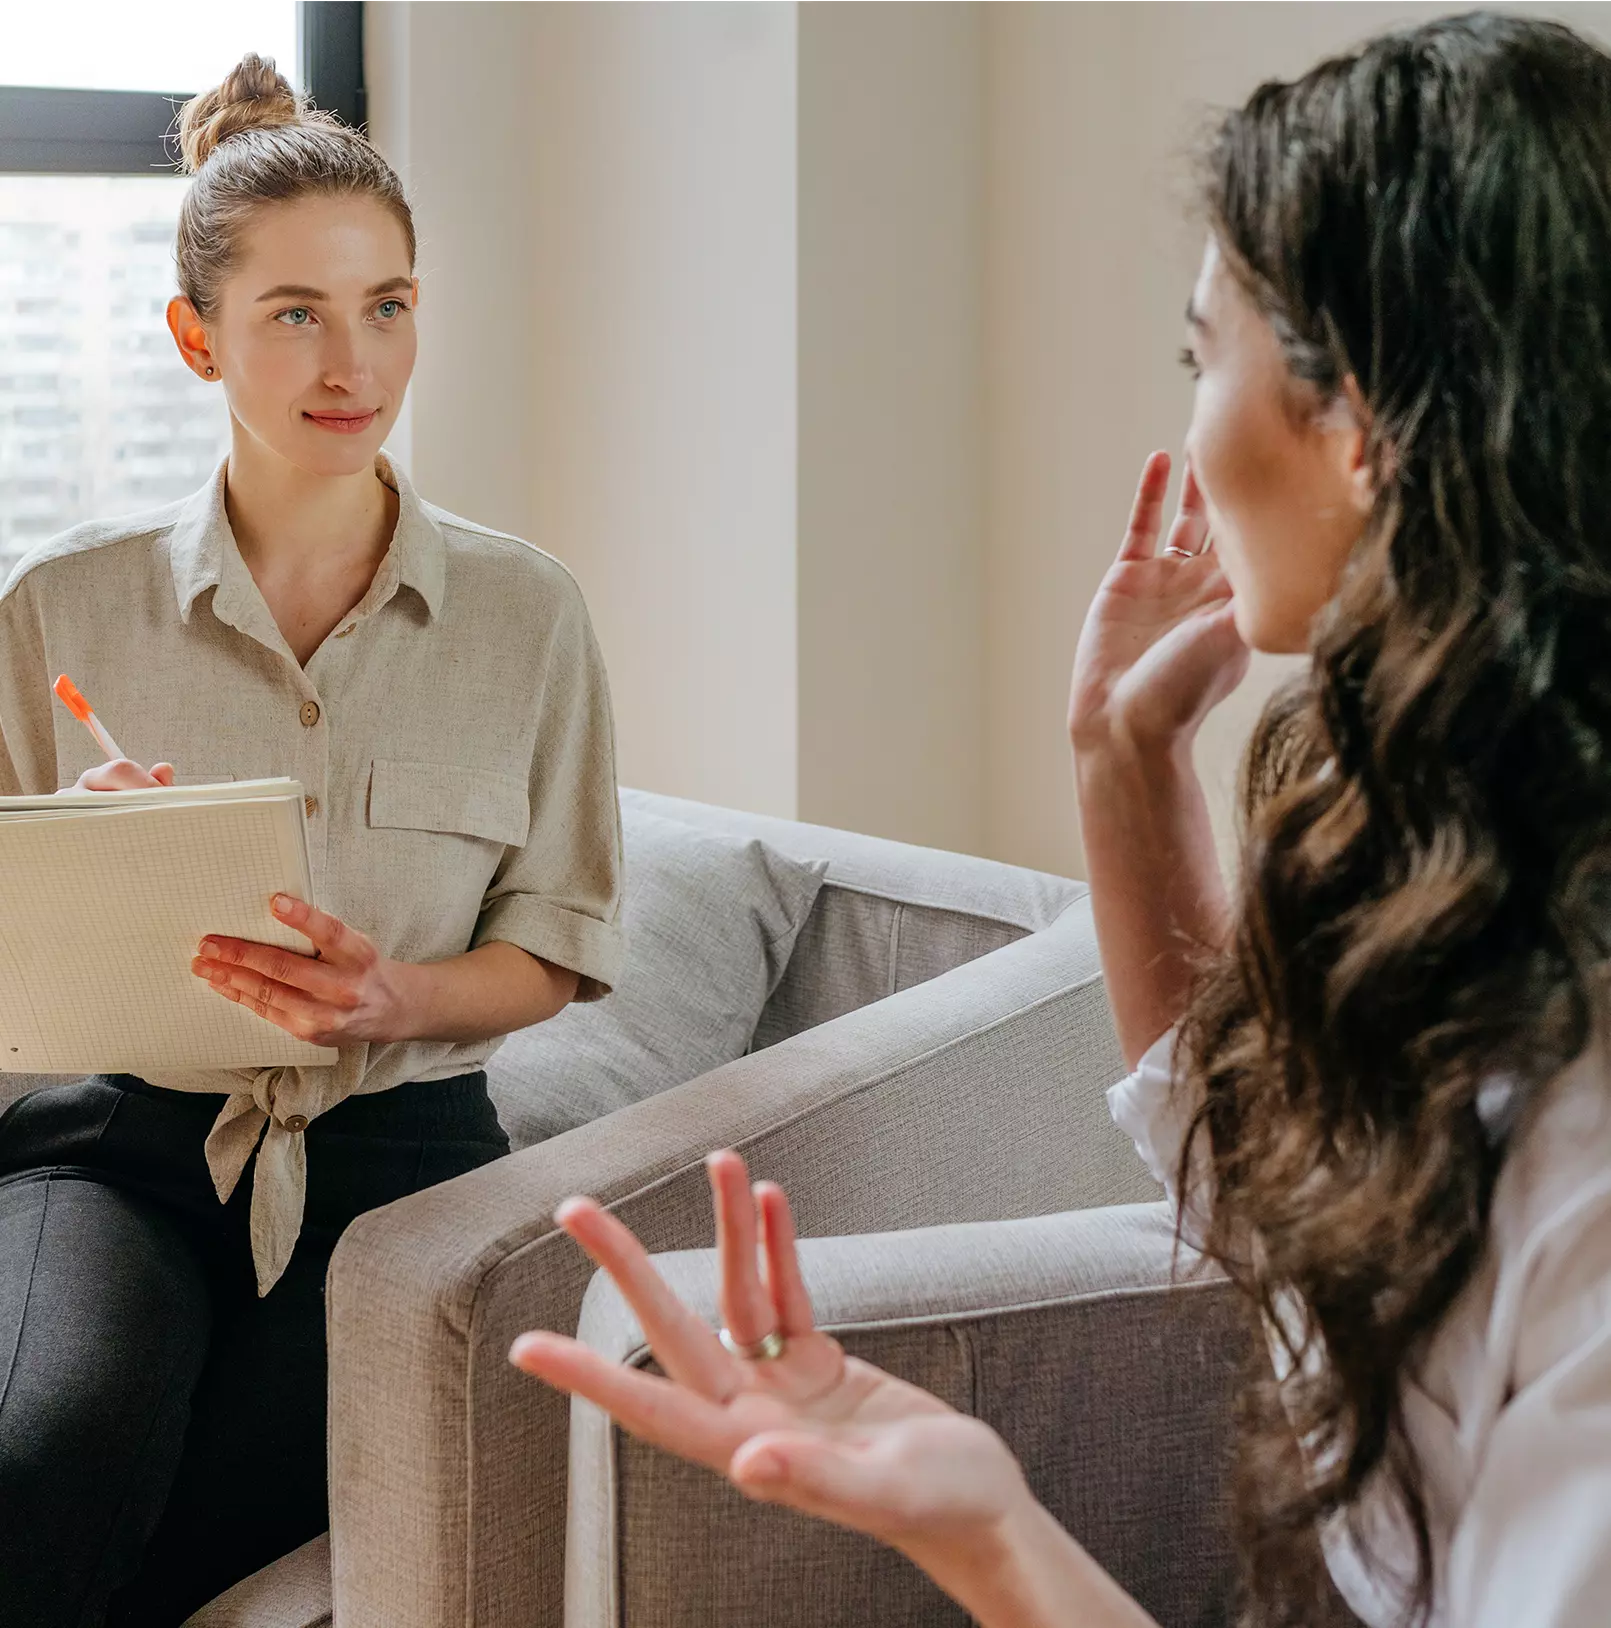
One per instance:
(343, 423)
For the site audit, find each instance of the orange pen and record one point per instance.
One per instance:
(80, 709)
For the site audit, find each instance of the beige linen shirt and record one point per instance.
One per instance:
(453, 735)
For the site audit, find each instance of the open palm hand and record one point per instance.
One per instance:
(812, 1428)
(1159, 648)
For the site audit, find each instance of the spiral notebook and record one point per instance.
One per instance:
(104, 897)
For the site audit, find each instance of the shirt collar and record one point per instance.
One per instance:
(202, 551)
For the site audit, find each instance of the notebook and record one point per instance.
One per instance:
(104, 897)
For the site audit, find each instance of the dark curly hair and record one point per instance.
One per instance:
(1425, 891)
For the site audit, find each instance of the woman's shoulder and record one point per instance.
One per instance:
(511, 557)
(42, 563)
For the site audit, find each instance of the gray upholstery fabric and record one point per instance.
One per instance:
(889, 916)
(975, 1095)
(292, 1593)
(1109, 1376)
(711, 921)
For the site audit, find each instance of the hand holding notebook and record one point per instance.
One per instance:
(104, 896)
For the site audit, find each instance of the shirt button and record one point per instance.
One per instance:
(311, 804)
(295, 1122)
(310, 713)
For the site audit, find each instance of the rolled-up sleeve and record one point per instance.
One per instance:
(1155, 1112)
(558, 896)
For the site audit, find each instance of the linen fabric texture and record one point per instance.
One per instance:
(453, 734)
(711, 923)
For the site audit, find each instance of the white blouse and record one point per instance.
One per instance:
(1510, 1410)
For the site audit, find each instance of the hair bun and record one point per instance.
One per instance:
(254, 96)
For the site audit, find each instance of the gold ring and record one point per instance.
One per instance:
(766, 1349)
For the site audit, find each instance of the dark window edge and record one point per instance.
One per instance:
(50, 131)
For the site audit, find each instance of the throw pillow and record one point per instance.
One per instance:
(710, 924)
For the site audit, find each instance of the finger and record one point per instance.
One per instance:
(334, 939)
(286, 1008)
(1146, 513)
(659, 1410)
(745, 1305)
(1190, 528)
(162, 773)
(685, 1347)
(290, 967)
(791, 1304)
(120, 774)
(1191, 494)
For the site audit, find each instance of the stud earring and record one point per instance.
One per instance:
(209, 372)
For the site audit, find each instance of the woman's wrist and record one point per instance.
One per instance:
(1022, 1570)
(1114, 742)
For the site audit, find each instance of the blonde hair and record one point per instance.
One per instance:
(254, 141)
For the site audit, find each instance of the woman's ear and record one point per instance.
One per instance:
(1347, 424)
(190, 335)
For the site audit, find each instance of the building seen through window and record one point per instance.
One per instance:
(99, 417)
(98, 414)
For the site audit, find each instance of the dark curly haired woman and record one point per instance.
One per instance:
(1381, 1087)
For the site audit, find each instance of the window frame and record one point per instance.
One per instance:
(49, 131)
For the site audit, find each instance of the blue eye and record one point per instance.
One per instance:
(299, 316)
(387, 309)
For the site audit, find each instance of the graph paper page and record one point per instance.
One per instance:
(102, 908)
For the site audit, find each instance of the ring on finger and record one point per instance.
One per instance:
(766, 1349)
(1179, 553)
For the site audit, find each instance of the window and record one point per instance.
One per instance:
(98, 416)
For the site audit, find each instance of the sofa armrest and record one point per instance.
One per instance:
(975, 1095)
(1110, 1378)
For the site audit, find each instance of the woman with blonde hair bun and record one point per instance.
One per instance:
(436, 688)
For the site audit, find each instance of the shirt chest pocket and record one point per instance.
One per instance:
(449, 798)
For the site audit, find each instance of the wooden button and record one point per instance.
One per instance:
(295, 1122)
(310, 714)
(311, 804)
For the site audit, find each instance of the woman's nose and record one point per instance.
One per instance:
(345, 366)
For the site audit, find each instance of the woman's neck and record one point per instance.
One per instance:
(290, 524)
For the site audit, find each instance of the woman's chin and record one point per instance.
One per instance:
(318, 451)
(1261, 629)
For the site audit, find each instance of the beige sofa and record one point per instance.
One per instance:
(927, 1081)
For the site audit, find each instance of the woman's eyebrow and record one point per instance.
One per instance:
(300, 291)
(292, 291)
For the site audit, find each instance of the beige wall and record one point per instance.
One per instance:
(825, 343)
(891, 453)
(1090, 251)
(607, 203)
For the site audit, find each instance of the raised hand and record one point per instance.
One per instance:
(811, 1428)
(1159, 648)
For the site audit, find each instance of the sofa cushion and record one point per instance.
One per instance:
(710, 924)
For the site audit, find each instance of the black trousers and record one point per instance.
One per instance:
(162, 1429)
